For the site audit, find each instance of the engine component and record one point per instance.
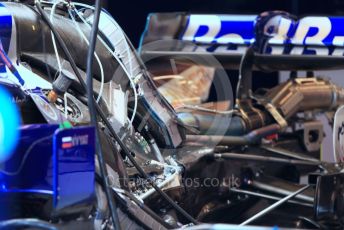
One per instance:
(257, 178)
(287, 99)
(313, 135)
(303, 94)
(77, 112)
(60, 85)
(170, 178)
(138, 144)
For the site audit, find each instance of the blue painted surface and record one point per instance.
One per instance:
(5, 32)
(9, 123)
(42, 164)
(231, 34)
(307, 36)
(224, 25)
(31, 166)
(5, 27)
(74, 163)
(9, 115)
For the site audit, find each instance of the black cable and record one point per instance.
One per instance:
(26, 223)
(107, 123)
(93, 115)
(91, 102)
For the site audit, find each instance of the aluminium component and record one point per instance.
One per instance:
(288, 153)
(303, 94)
(171, 177)
(272, 185)
(270, 197)
(274, 206)
(276, 115)
(313, 135)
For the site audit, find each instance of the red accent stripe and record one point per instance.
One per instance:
(67, 145)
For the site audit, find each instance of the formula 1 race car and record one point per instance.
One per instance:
(111, 138)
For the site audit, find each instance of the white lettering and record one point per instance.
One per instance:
(323, 24)
(211, 22)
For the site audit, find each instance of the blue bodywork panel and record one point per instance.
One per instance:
(219, 29)
(239, 29)
(47, 160)
(53, 161)
(5, 27)
(232, 34)
(5, 32)
(74, 166)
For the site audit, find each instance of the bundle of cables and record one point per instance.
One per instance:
(95, 109)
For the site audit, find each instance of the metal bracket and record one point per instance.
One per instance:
(313, 135)
(276, 115)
